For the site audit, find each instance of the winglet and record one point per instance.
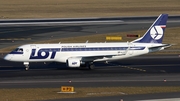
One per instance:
(155, 33)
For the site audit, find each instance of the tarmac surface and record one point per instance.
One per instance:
(18, 34)
(123, 73)
(146, 71)
(140, 97)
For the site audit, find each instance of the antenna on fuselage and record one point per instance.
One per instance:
(87, 41)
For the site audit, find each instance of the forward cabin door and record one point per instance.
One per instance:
(33, 51)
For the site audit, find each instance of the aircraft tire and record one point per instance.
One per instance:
(27, 68)
(91, 66)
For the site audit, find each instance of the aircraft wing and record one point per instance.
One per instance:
(161, 47)
(92, 58)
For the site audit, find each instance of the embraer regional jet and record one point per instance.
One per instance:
(85, 54)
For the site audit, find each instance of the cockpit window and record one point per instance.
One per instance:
(18, 50)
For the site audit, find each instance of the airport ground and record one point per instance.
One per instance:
(144, 71)
(120, 74)
(140, 72)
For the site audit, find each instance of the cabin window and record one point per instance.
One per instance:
(102, 48)
(83, 49)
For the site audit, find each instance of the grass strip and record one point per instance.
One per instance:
(32, 94)
(85, 8)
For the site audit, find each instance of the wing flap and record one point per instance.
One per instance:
(158, 48)
(92, 58)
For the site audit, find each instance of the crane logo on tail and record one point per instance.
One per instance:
(157, 32)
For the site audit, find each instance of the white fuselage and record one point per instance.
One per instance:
(97, 51)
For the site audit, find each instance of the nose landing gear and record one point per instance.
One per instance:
(26, 64)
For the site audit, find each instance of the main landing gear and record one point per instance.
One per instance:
(26, 64)
(90, 66)
(87, 65)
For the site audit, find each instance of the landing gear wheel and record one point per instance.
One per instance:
(27, 68)
(90, 66)
(26, 64)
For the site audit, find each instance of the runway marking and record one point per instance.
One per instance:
(138, 69)
(81, 81)
(105, 93)
(169, 99)
(128, 67)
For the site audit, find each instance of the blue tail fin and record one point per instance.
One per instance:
(156, 32)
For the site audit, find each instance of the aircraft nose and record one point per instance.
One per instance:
(7, 57)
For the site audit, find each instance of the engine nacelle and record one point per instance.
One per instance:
(73, 62)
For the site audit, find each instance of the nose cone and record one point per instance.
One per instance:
(7, 57)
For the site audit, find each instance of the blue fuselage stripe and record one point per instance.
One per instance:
(92, 49)
(102, 49)
(13, 52)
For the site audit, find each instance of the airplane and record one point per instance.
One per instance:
(76, 55)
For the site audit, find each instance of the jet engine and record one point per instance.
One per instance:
(73, 62)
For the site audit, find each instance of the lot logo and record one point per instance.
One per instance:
(156, 32)
(74, 63)
(44, 53)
